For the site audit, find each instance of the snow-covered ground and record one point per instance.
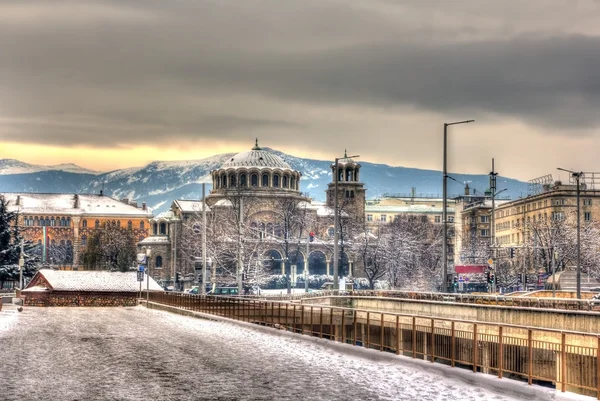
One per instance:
(139, 354)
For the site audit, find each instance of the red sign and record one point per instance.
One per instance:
(462, 269)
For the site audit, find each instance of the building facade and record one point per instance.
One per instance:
(60, 224)
(256, 200)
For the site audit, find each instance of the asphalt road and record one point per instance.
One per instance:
(139, 354)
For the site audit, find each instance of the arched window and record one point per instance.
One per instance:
(163, 229)
(223, 181)
(114, 223)
(141, 225)
(155, 228)
(97, 224)
(276, 181)
(68, 223)
(119, 223)
(83, 240)
(243, 182)
(269, 229)
(285, 181)
(265, 180)
(47, 221)
(129, 225)
(293, 182)
(158, 262)
(36, 222)
(63, 222)
(84, 223)
(232, 182)
(52, 223)
(254, 180)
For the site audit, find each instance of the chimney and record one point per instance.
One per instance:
(125, 201)
(18, 201)
(76, 206)
(467, 189)
(101, 192)
(144, 206)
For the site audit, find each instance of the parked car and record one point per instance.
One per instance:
(224, 291)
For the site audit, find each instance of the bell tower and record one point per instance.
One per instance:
(351, 192)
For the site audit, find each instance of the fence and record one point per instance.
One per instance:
(570, 360)
(498, 300)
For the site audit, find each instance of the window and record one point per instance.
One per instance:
(369, 217)
(485, 233)
(97, 224)
(129, 225)
(163, 229)
(285, 181)
(141, 225)
(438, 219)
(558, 216)
(330, 232)
(587, 216)
(276, 181)
(265, 180)
(243, 180)
(587, 202)
(293, 183)
(450, 219)
(232, 182)
(383, 218)
(254, 180)
(84, 224)
(484, 219)
(158, 262)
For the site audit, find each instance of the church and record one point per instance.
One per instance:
(257, 217)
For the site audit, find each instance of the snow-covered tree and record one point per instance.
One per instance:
(10, 247)
(110, 248)
(369, 249)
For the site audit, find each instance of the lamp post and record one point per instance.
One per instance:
(445, 205)
(493, 224)
(148, 255)
(336, 272)
(577, 176)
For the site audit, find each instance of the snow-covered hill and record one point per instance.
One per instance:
(161, 182)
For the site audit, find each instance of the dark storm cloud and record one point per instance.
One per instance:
(114, 72)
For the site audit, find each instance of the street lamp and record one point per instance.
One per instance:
(493, 227)
(336, 273)
(445, 206)
(148, 252)
(577, 176)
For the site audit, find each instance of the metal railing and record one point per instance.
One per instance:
(497, 300)
(571, 360)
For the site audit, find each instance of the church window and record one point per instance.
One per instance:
(265, 180)
(254, 180)
(293, 182)
(276, 181)
(232, 182)
(163, 229)
(285, 181)
(243, 180)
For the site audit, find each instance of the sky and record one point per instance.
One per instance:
(120, 83)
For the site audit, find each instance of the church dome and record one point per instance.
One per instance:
(257, 157)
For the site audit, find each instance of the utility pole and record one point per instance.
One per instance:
(493, 175)
(240, 263)
(306, 263)
(21, 265)
(203, 289)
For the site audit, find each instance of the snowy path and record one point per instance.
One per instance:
(140, 354)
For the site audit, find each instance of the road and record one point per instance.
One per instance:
(139, 354)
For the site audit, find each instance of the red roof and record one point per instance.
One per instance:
(462, 269)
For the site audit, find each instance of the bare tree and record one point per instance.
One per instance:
(110, 248)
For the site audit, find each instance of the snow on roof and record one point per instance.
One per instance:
(190, 206)
(155, 239)
(405, 209)
(101, 281)
(94, 205)
(257, 157)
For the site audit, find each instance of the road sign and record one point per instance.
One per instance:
(141, 268)
(490, 262)
(140, 276)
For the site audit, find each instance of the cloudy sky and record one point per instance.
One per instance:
(114, 84)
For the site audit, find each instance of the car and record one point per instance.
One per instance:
(224, 291)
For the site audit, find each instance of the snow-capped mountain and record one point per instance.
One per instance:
(12, 166)
(160, 183)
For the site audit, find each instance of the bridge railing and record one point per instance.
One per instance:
(571, 360)
(498, 300)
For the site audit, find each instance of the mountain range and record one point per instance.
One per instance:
(161, 182)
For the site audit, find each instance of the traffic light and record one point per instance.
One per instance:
(492, 278)
(455, 281)
(177, 277)
(512, 253)
(311, 236)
